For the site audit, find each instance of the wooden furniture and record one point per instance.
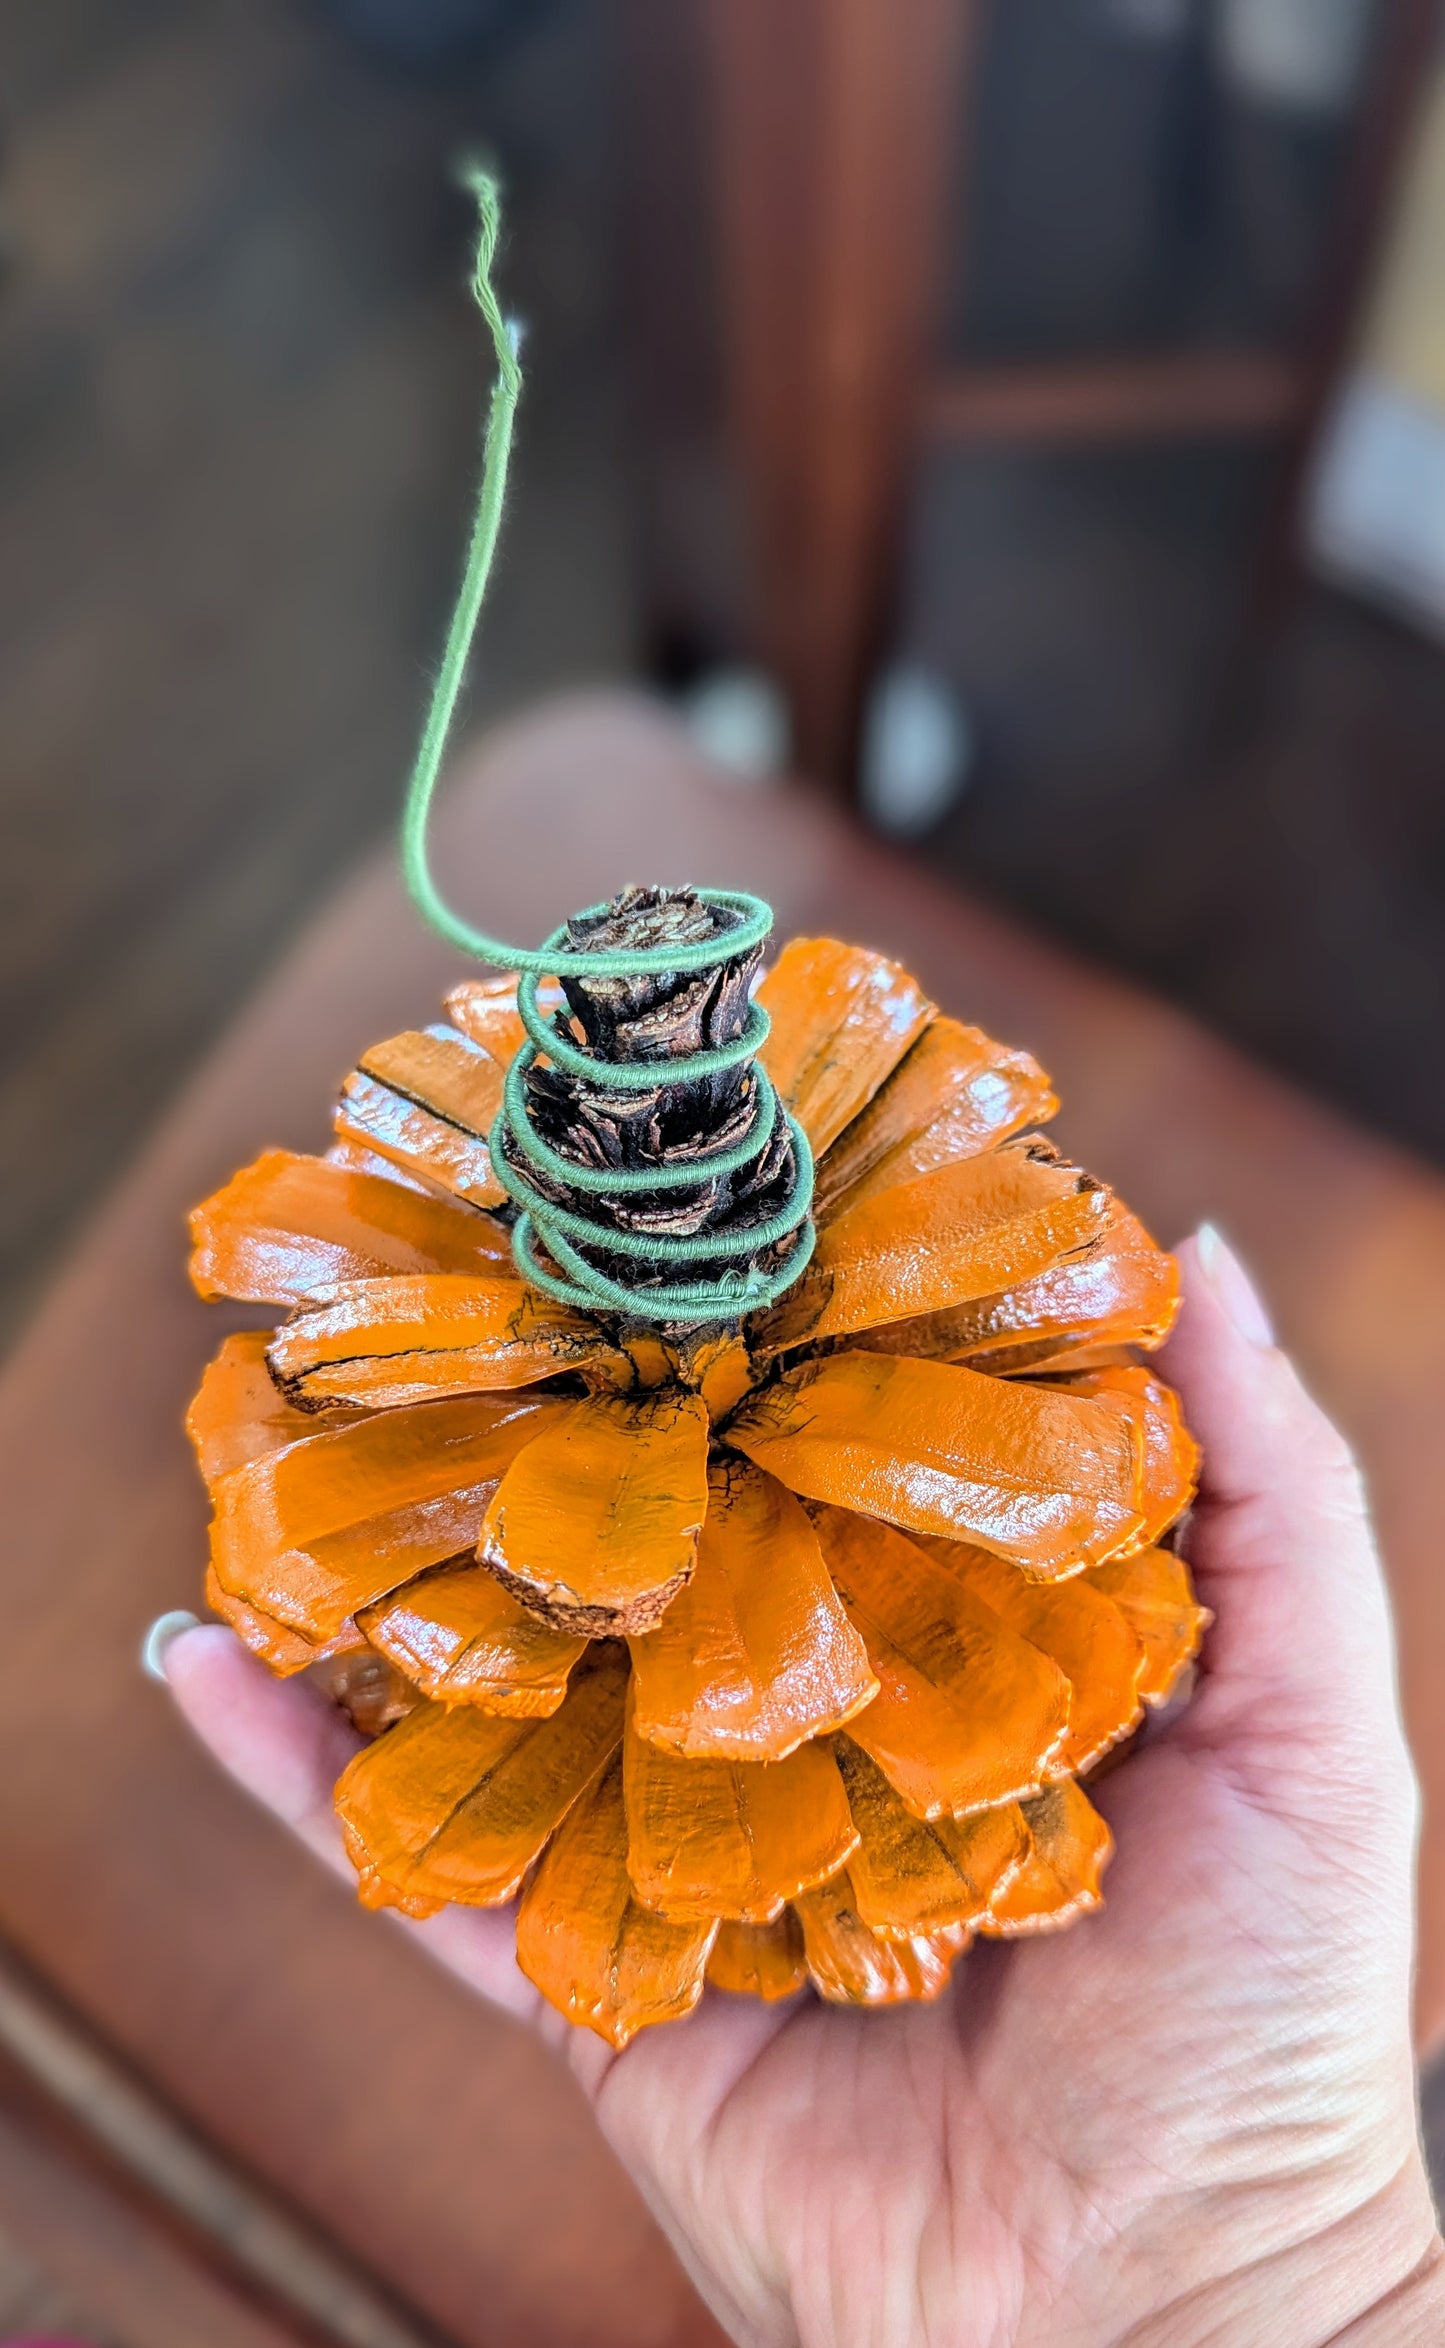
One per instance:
(161, 2239)
(430, 2141)
(826, 131)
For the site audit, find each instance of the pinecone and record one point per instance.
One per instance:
(759, 1654)
(660, 1019)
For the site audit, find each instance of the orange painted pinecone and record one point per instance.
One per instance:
(758, 1657)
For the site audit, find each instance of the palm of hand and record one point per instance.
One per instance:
(1125, 2132)
(1053, 2151)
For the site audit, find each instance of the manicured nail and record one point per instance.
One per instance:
(1232, 1286)
(164, 1631)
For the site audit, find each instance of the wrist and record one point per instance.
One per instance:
(1410, 2316)
(1372, 2278)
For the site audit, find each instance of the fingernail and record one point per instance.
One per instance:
(164, 1631)
(1232, 1286)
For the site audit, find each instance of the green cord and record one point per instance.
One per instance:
(517, 1149)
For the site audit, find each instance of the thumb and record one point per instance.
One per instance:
(1298, 1690)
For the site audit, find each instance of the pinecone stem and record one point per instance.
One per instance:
(641, 1138)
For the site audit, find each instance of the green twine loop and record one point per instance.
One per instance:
(517, 1149)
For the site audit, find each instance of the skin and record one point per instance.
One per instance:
(1189, 2121)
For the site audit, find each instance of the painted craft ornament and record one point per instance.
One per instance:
(708, 1447)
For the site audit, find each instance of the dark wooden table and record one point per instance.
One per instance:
(429, 2138)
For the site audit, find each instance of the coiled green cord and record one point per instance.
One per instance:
(515, 1144)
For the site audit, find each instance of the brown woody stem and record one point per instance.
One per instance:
(659, 1018)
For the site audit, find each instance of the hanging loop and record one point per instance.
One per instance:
(571, 1237)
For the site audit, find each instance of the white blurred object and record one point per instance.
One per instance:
(739, 719)
(1404, 337)
(1377, 504)
(917, 750)
(1377, 518)
(1301, 54)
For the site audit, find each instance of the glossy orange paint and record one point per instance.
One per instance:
(1047, 1478)
(1153, 1592)
(386, 1343)
(355, 1158)
(462, 1639)
(1170, 1455)
(954, 1093)
(968, 1714)
(288, 1228)
(587, 1942)
(759, 1960)
(842, 1020)
(1120, 1289)
(1060, 1875)
(911, 1875)
(1081, 1629)
(453, 1804)
(335, 1520)
(372, 1693)
(736, 1839)
(442, 1070)
(239, 1412)
(371, 1117)
(962, 1231)
(595, 1526)
(281, 1650)
(853, 1966)
(425, 1102)
(720, 1366)
(485, 1009)
(756, 1653)
(845, 1730)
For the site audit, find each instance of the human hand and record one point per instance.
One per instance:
(1189, 2120)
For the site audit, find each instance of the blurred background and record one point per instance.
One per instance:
(1027, 419)
(1152, 570)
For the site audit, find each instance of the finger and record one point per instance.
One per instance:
(287, 1745)
(479, 1945)
(281, 1739)
(1299, 1668)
